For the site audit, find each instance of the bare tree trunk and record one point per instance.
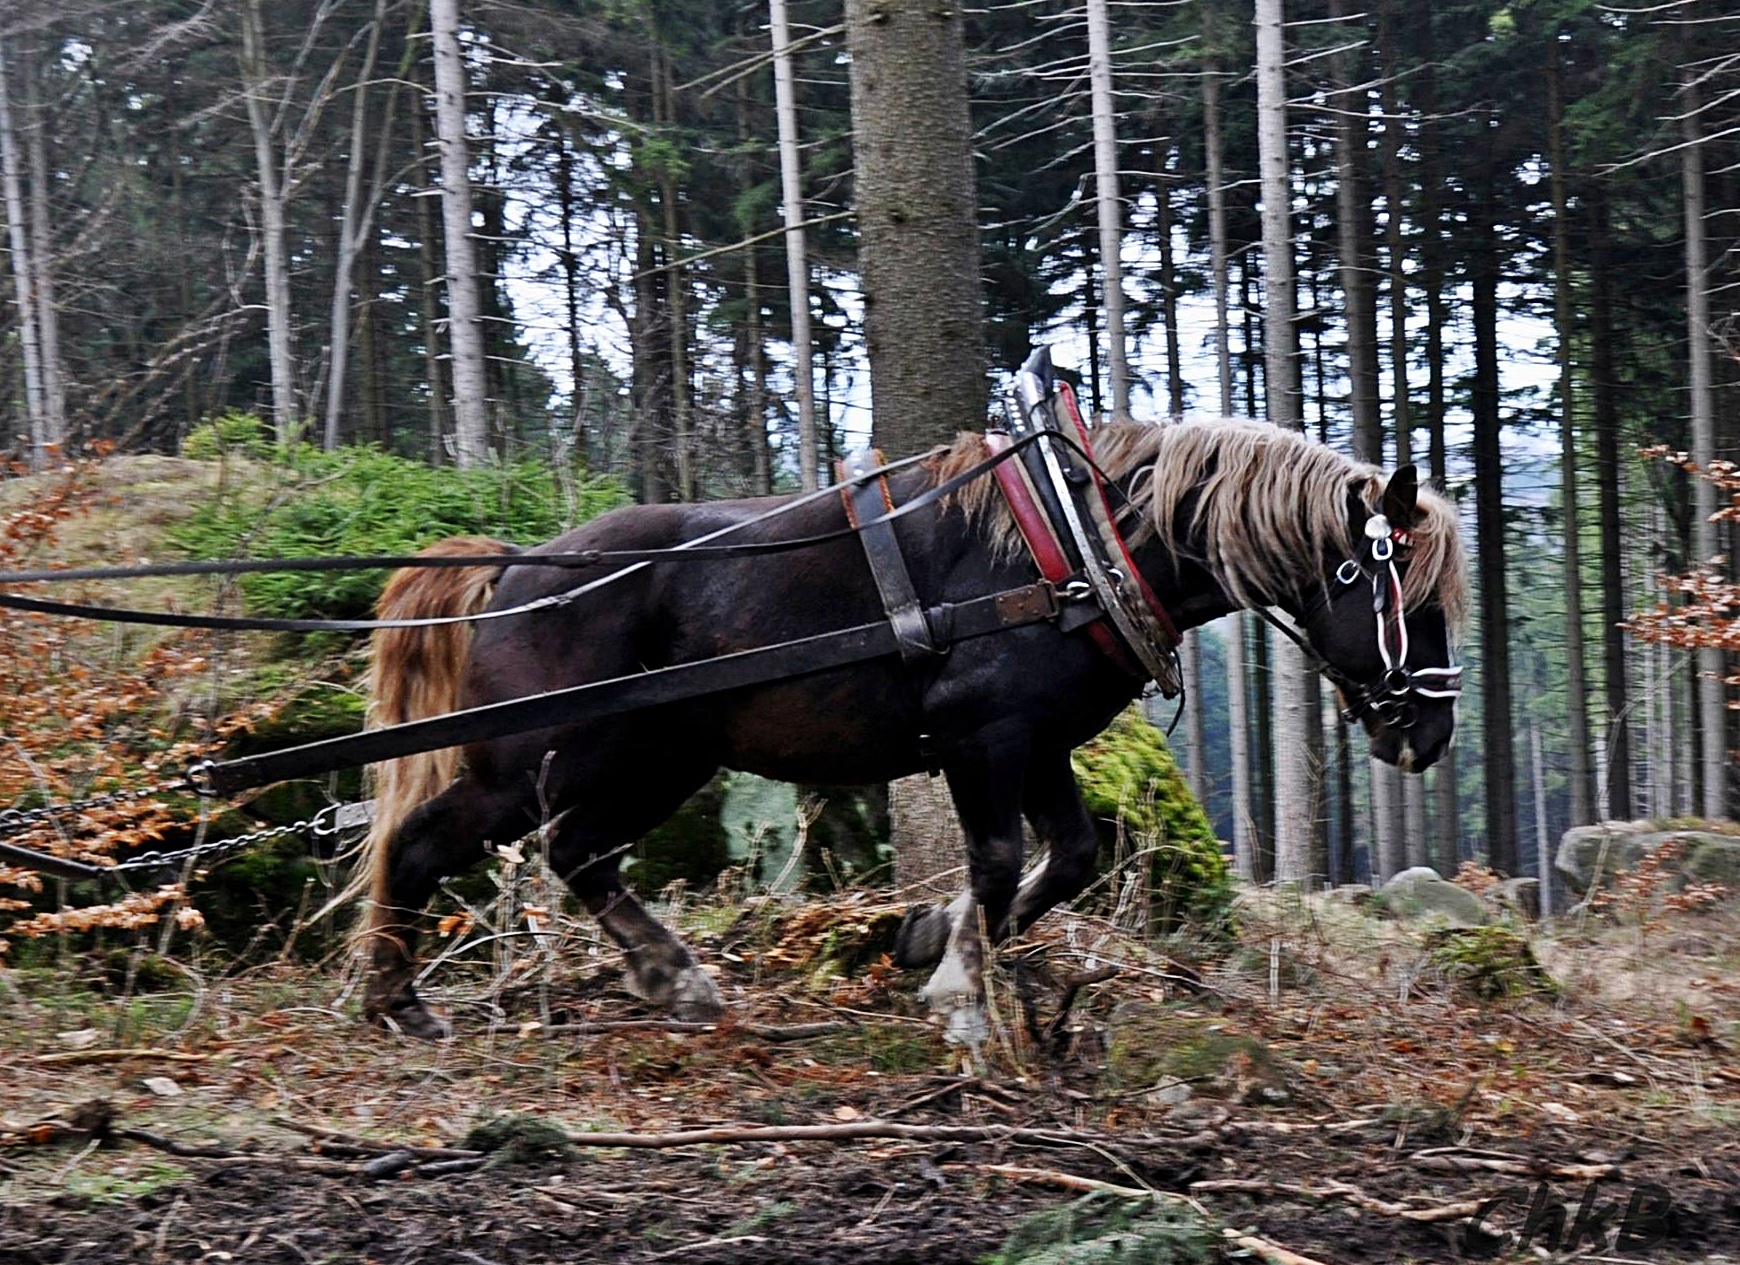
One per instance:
(1576, 663)
(42, 262)
(1107, 202)
(1605, 389)
(440, 424)
(1233, 628)
(676, 284)
(354, 226)
(1295, 778)
(1543, 842)
(464, 329)
(286, 408)
(796, 260)
(917, 221)
(1499, 749)
(1446, 815)
(1353, 236)
(22, 272)
(1712, 705)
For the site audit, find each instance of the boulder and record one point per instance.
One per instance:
(1589, 856)
(1419, 893)
(1519, 896)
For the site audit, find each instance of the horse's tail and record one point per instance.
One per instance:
(416, 673)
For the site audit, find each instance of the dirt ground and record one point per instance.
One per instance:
(1325, 1087)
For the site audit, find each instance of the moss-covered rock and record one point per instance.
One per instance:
(1489, 963)
(1128, 776)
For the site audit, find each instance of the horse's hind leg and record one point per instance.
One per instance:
(442, 837)
(985, 779)
(587, 851)
(1060, 819)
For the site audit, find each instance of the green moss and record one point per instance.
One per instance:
(1153, 1046)
(519, 1139)
(889, 1048)
(1128, 775)
(1489, 962)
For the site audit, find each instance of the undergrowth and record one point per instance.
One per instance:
(365, 501)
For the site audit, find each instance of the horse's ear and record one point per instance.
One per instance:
(1401, 498)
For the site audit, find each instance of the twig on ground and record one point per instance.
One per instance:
(369, 1146)
(1272, 1252)
(1445, 1160)
(760, 1031)
(856, 1130)
(1071, 989)
(116, 1056)
(1338, 1190)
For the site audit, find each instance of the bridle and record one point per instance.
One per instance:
(1391, 698)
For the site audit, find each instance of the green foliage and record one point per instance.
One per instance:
(1490, 963)
(1129, 779)
(519, 1139)
(1096, 1229)
(232, 434)
(365, 501)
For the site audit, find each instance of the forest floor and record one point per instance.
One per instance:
(1324, 1086)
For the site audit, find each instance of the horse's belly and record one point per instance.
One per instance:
(816, 731)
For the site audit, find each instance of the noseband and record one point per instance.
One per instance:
(1391, 698)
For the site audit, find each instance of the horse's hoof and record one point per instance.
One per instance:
(695, 998)
(923, 935)
(415, 1020)
(955, 998)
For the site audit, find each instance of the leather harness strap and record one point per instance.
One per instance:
(1048, 549)
(865, 494)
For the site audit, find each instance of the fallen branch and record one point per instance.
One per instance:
(1514, 1166)
(1338, 1190)
(760, 1031)
(1071, 987)
(368, 1146)
(116, 1056)
(1273, 1252)
(853, 1131)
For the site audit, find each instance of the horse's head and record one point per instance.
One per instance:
(1386, 642)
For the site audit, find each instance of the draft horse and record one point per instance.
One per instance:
(1217, 516)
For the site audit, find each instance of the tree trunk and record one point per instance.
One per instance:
(1446, 812)
(42, 260)
(917, 221)
(29, 327)
(428, 304)
(286, 409)
(1605, 389)
(1499, 752)
(1107, 203)
(676, 284)
(1576, 665)
(1295, 778)
(1233, 628)
(464, 328)
(1712, 703)
(354, 225)
(796, 259)
(1357, 267)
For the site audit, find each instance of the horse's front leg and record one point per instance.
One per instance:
(985, 779)
(1060, 819)
(445, 836)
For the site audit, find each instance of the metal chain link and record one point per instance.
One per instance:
(17, 820)
(217, 848)
(331, 820)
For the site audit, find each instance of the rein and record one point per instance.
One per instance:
(696, 550)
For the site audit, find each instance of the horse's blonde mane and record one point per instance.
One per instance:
(1261, 498)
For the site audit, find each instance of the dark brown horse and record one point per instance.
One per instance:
(1218, 516)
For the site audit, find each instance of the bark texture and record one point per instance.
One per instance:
(918, 231)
